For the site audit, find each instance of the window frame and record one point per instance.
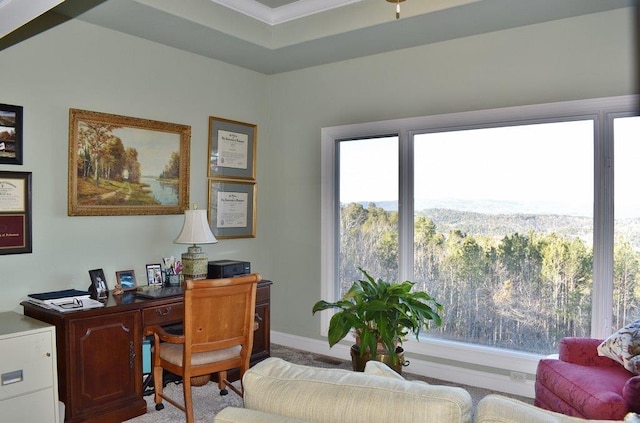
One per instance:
(601, 110)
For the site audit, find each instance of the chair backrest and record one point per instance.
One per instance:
(219, 314)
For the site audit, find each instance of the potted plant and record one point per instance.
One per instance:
(381, 315)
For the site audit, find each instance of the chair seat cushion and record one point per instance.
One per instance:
(590, 392)
(173, 354)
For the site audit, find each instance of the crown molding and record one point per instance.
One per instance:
(282, 14)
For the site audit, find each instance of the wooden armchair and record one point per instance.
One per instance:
(218, 336)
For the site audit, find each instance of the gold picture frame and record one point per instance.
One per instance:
(120, 165)
(232, 209)
(232, 149)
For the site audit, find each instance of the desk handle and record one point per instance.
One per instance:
(132, 355)
(163, 313)
(256, 322)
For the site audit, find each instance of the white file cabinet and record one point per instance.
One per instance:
(28, 384)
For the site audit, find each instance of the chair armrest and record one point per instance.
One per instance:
(159, 333)
(583, 351)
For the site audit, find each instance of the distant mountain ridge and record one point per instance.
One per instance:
(499, 218)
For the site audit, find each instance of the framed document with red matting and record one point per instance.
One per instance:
(15, 212)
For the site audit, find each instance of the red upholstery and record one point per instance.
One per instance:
(582, 384)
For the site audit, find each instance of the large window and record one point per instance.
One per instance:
(505, 216)
(626, 270)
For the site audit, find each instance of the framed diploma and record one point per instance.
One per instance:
(232, 209)
(15, 212)
(232, 149)
(10, 134)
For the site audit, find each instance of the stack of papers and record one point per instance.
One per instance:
(65, 301)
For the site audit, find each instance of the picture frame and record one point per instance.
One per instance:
(120, 165)
(232, 209)
(154, 274)
(98, 283)
(15, 213)
(10, 134)
(232, 149)
(126, 279)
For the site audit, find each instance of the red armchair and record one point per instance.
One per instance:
(582, 384)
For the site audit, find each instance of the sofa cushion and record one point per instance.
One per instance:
(323, 395)
(235, 415)
(373, 367)
(624, 347)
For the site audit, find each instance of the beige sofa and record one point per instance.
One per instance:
(278, 391)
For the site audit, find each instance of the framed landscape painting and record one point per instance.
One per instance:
(121, 165)
(10, 134)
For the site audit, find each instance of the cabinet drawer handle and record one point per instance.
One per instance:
(163, 313)
(256, 322)
(132, 355)
(12, 377)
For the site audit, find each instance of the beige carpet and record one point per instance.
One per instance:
(207, 400)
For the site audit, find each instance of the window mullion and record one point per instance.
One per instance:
(405, 206)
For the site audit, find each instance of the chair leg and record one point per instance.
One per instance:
(188, 402)
(222, 385)
(157, 387)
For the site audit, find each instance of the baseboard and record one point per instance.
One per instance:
(457, 374)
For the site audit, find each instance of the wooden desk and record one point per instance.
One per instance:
(99, 351)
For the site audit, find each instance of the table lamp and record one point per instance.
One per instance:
(195, 230)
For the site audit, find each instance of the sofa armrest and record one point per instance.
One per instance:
(243, 415)
(631, 394)
(583, 351)
(500, 409)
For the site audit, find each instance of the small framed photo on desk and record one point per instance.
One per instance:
(99, 283)
(154, 274)
(126, 279)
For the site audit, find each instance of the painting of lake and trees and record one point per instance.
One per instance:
(124, 166)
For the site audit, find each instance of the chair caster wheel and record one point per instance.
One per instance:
(223, 392)
(159, 407)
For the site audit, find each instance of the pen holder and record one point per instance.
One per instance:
(173, 280)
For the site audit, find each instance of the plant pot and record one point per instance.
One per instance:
(200, 380)
(360, 361)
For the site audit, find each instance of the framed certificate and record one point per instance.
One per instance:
(232, 209)
(232, 149)
(15, 212)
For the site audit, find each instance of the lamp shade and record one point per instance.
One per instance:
(195, 229)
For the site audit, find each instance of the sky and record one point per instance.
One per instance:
(541, 167)
(154, 147)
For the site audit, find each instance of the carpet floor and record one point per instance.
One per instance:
(207, 401)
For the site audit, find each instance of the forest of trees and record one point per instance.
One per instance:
(110, 173)
(522, 289)
(102, 155)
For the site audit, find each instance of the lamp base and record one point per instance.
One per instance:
(195, 263)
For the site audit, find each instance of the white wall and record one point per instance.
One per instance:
(78, 65)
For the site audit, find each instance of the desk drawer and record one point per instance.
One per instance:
(263, 294)
(163, 315)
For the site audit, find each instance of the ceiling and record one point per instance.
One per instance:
(274, 36)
